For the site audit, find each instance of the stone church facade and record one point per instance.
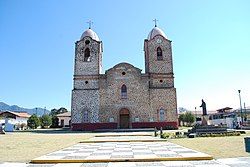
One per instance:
(123, 97)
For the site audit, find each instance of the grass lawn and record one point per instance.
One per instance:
(24, 146)
(218, 147)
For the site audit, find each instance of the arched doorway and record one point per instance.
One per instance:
(124, 118)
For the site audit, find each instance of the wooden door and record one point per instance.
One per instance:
(124, 121)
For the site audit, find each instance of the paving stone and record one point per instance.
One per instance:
(106, 148)
(103, 151)
(94, 165)
(184, 151)
(41, 165)
(177, 164)
(68, 165)
(79, 154)
(122, 156)
(85, 151)
(122, 164)
(235, 162)
(123, 149)
(142, 153)
(98, 157)
(98, 154)
(70, 149)
(74, 157)
(149, 164)
(211, 162)
(158, 149)
(58, 154)
(122, 153)
(168, 155)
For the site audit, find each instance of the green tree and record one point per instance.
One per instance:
(181, 118)
(33, 122)
(61, 110)
(46, 121)
(55, 122)
(189, 118)
(53, 113)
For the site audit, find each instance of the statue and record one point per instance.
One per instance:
(204, 109)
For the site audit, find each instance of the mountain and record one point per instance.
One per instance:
(39, 111)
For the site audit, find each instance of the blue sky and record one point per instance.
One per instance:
(211, 46)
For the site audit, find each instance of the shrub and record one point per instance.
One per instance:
(166, 135)
(46, 121)
(33, 122)
(55, 122)
(187, 118)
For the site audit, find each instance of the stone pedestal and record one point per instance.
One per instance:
(204, 120)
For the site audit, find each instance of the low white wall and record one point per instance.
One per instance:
(66, 120)
(225, 121)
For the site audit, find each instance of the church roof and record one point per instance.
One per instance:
(124, 66)
(156, 31)
(90, 33)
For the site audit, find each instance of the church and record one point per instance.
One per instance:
(123, 97)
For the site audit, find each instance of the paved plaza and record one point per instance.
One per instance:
(122, 151)
(128, 150)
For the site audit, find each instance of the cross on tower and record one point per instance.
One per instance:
(155, 22)
(90, 23)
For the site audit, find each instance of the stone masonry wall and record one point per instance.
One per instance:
(86, 83)
(165, 99)
(137, 101)
(85, 100)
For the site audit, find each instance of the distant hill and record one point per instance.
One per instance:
(38, 110)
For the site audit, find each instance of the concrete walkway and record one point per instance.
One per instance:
(227, 162)
(211, 163)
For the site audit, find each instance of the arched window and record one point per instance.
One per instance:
(87, 54)
(124, 91)
(159, 54)
(162, 115)
(85, 116)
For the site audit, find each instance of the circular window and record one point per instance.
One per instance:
(123, 73)
(86, 82)
(161, 81)
(87, 42)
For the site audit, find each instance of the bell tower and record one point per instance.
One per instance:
(88, 64)
(88, 54)
(158, 59)
(159, 69)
